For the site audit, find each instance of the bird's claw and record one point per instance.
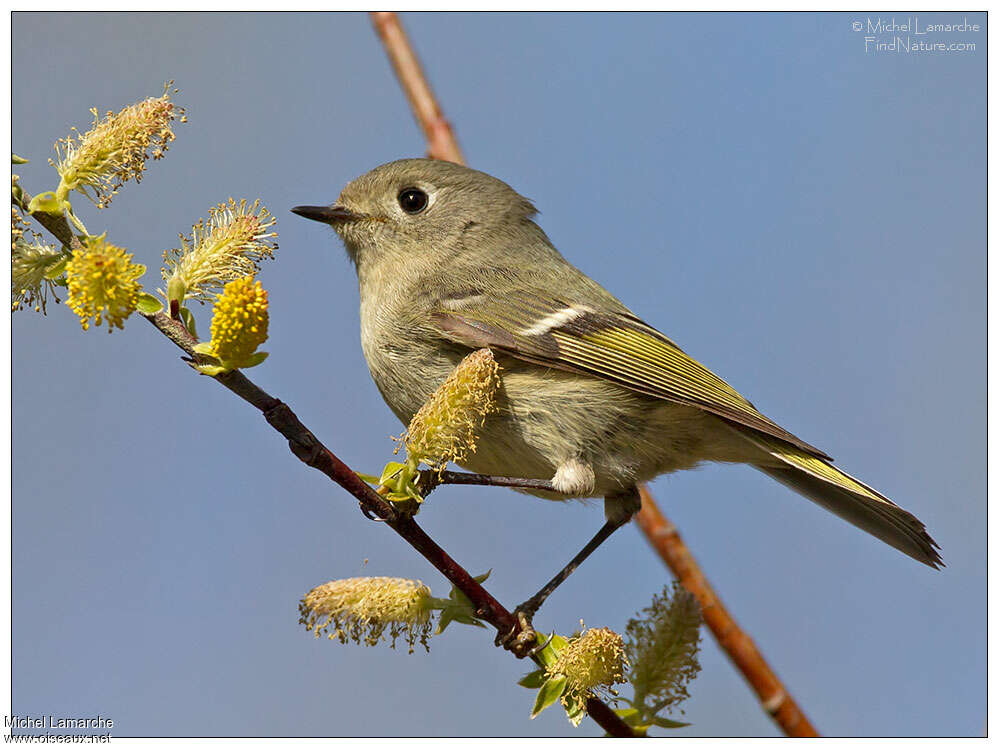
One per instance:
(427, 481)
(521, 640)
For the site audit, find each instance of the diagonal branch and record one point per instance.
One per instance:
(737, 644)
(441, 143)
(307, 448)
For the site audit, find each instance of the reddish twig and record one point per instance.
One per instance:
(307, 448)
(662, 535)
(441, 143)
(312, 452)
(739, 646)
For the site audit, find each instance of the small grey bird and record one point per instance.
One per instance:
(450, 260)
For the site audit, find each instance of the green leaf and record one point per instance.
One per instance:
(449, 615)
(558, 642)
(148, 304)
(458, 608)
(176, 289)
(459, 601)
(46, 202)
(483, 577)
(546, 655)
(446, 618)
(57, 268)
(667, 723)
(535, 679)
(406, 503)
(253, 360)
(205, 349)
(15, 159)
(391, 470)
(633, 719)
(575, 713)
(399, 479)
(187, 317)
(211, 369)
(366, 477)
(550, 691)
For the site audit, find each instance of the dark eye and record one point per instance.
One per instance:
(412, 200)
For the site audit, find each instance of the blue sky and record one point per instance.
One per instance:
(805, 217)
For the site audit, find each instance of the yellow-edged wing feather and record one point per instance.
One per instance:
(615, 346)
(621, 348)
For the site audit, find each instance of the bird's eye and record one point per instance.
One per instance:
(412, 200)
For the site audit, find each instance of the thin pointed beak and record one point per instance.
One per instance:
(327, 214)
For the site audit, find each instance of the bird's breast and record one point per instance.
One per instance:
(405, 369)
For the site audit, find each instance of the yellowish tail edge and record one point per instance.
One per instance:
(847, 497)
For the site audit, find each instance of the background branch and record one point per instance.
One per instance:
(441, 141)
(661, 534)
(739, 646)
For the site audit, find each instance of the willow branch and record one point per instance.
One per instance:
(307, 448)
(57, 225)
(441, 142)
(737, 644)
(311, 451)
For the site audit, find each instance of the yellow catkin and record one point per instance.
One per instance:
(240, 320)
(229, 245)
(593, 660)
(102, 283)
(444, 429)
(116, 148)
(369, 609)
(29, 262)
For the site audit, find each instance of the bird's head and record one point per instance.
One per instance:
(418, 208)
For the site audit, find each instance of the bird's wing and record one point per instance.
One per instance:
(615, 346)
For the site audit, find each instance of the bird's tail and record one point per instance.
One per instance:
(844, 495)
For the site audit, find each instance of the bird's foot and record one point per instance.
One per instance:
(522, 639)
(427, 481)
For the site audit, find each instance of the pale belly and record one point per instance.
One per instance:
(549, 417)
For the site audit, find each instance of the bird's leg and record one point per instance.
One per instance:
(532, 604)
(619, 509)
(430, 480)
